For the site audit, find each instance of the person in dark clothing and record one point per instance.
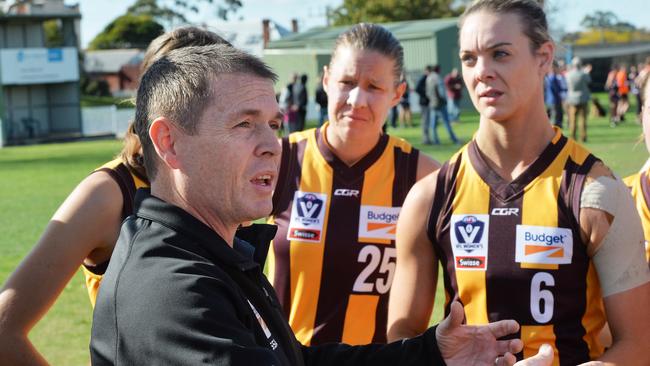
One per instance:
(185, 285)
(421, 89)
(300, 102)
(321, 100)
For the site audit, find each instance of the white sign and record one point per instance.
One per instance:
(378, 222)
(26, 66)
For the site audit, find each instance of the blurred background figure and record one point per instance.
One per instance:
(578, 96)
(554, 93)
(420, 89)
(454, 87)
(300, 98)
(286, 101)
(438, 105)
(321, 101)
(405, 105)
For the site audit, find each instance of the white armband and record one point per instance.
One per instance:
(620, 257)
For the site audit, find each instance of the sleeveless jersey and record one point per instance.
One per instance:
(640, 188)
(333, 258)
(514, 251)
(129, 181)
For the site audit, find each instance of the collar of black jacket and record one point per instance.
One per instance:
(250, 246)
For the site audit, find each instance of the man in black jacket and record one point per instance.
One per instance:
(184, 285)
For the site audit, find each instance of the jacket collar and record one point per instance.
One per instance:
(250, 245)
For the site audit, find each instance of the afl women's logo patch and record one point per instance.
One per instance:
(469, 241)
(307, 217)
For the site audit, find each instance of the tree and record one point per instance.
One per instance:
(381, 11)
(127, 31)
(174, 11)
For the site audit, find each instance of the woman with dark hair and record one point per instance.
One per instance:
(526, 223)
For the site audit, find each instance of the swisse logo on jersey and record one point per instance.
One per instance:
(470, 262)
(543, 245)
(505, 211)
(378, 222)
(307, 216)
(469, 241)
(342, 192)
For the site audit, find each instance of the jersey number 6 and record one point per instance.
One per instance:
(541, 300)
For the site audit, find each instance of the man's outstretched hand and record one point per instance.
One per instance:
(476, 345)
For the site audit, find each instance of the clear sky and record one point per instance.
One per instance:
(96, 14)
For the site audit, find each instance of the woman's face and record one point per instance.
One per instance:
(503, 76)
(361, 89)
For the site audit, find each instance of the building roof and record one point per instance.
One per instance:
(324, 37)
(110, 61)
(248, 35)
(610, 50)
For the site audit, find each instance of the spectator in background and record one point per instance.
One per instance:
(623, 91)
(420, 89)
(554, 92)
(321, 100)
(578, 97)
(405, 105)
(438, 105)
(286, 105)
(612, 90)
(300, 102)
(454, 86)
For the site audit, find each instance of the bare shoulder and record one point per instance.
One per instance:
(426, 165)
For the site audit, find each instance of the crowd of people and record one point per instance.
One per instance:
(541, 247)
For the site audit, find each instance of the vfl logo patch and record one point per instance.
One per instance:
(543, 245)
(469, 241)
(378, 222)
(307, 216)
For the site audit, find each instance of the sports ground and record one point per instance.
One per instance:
(34, 180)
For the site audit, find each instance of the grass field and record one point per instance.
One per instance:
(34, 180)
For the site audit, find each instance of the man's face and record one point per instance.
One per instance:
(230, 164)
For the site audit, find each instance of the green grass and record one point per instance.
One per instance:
(34, 180)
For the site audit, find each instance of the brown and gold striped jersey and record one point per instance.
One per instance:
(333, 258)
(640, 187)
(513, 250)
(129, 182)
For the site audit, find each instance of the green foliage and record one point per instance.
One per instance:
(606, 27)
(381, 11)
(174, 11)
(53, 33)
(127, 31)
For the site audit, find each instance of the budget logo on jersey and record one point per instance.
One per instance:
(469, 241)
(378, 222)
(307, 216)
(543, 245)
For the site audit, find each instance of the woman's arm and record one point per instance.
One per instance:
(414, 285)
(84, 228)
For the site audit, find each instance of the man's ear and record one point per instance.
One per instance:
(163, 134)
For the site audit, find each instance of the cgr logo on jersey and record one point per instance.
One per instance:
(504, 211)
(307, 216)
(543, 245)
(469, 241)
(346, 192)
(378, 222)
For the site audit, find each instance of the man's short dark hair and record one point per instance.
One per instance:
(179, 86)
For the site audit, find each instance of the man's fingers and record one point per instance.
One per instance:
(507, 359)
(503, 328)
(509, 346)
(454, 319)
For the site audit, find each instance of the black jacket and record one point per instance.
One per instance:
(175, 293)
